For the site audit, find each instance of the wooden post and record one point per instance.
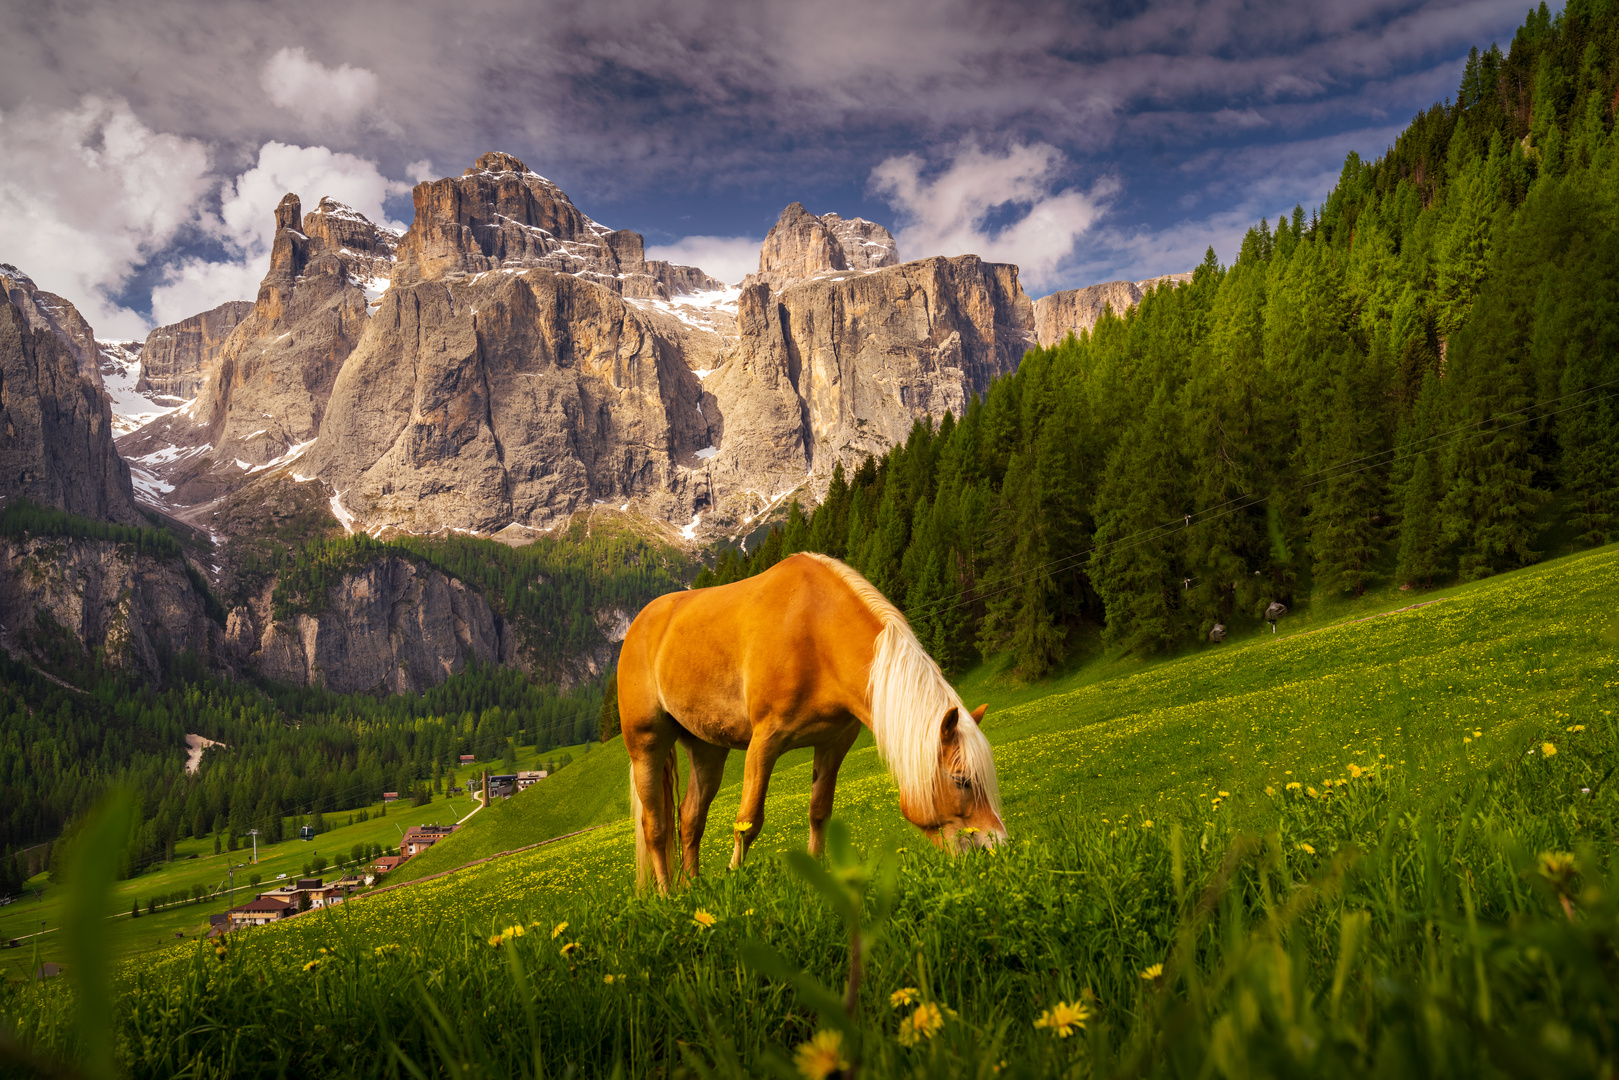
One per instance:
(486, 789)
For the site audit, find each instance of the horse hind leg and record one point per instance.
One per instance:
(707, 772)
(652, 808)
(823, 784)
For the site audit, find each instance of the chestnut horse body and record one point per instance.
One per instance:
(801, 655)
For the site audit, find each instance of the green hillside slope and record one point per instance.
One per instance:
(1513, 658)
(1482, 727)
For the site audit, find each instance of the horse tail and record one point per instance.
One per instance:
(666, 793)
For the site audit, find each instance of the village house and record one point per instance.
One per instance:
(529, 777)
(387, 863)
(264, 909)
(418, 838)
(468, 759)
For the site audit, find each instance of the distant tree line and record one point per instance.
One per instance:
(1418, 382)
(291, 755)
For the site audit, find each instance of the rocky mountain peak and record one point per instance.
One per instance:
(498, 161)
(55, 423)
(45, 311)
(802, 246)
(288, 214)
(502, 215)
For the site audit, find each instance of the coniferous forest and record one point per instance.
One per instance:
(1416, 382)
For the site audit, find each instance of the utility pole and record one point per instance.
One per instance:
(254, 833)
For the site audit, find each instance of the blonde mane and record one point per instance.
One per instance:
(909, 699)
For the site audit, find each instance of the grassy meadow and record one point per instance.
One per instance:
(1378, 841)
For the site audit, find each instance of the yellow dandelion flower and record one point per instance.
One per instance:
(1577, 727)
(312, 965)
(1310, 791)
(515, 931)
(1153, 972)
(1466, 739)
(1307, 847)
(742, 826)
(496, 940)
(1294, 786)
(1225, 794)
(1147, 824)
(924, 1023)
(821, 1056)
(747, 913)
(608, 979)
(1478, 734)
(556, 931)
(1557, 866)
(569, 949)
(221, 952)
(1270, 790)
(1064, 1018)
(905, 995)
(1354, 772)
(1548, 749)
(703, 919)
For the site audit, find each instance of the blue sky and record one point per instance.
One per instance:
(143, 148)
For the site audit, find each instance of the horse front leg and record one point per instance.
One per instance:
(707, 770)
(824, 781)
(750, 817)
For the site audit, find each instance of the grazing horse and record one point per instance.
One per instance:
(800, 655)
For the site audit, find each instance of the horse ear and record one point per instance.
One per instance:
(947, 730)
(978, 714)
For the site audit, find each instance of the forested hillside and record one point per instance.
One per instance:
(288, 754)
(291, 753)
(1418, 381)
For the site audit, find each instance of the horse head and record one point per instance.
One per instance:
(965, 812)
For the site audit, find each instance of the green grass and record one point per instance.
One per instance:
(1394, 923)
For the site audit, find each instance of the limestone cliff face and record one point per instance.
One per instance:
(390, 625)
(176, 358)
(1076, 311)
(802, 246)
(136, 609)
(45, 311)
(56, 428)
(512, 397)
(502, 215)
(269, 386)
(833, 369)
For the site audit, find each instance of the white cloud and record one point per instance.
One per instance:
(89, 193)
(729, 258)
(246, 221)
(949, 211)
(315, 93)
